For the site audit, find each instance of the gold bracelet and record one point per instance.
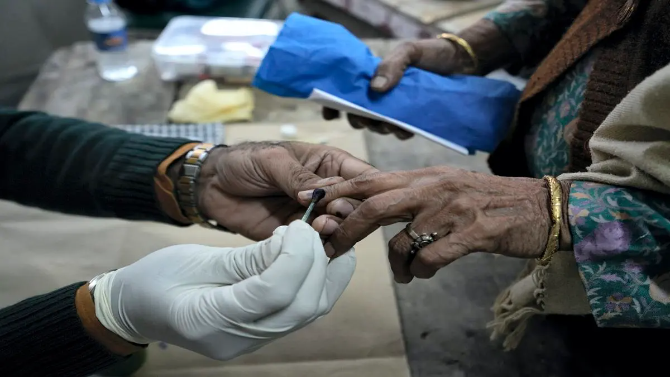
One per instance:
(462, 42)
(556, 214)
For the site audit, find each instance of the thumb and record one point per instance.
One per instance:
(275, 288)
(291, 177)
(390, 71)
(360, 188)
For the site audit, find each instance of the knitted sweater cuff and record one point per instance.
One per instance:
(127, 187)
(43, 336)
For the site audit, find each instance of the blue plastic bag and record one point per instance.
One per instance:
(309, 53)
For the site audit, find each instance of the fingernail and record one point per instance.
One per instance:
(319, 223)
(305, 195)
(379, 82)
(341, 208)
(330, 251)
(329, 227)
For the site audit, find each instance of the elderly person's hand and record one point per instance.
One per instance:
(469, 212)
(439, 56)
(251, 188)
(434, 55)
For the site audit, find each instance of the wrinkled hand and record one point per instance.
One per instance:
(224, 302)
(434, 55)
(251, 188)
(470, 212)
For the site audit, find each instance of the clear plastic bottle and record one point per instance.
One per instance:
(107, 25)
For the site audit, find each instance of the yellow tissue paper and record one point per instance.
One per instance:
(206, 103)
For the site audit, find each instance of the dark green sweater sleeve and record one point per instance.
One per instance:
(74, 166)
(43, 336)
(77, 167)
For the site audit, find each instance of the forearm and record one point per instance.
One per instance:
(492, 48)
(47, 335)
(531, 28)
(620, 239)
(78, 167)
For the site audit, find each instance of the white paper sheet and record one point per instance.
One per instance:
(334, 102)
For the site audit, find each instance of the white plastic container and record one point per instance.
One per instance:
(228, 48)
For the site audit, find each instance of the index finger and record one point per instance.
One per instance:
(361, 187)
(390, 71)
(384, 209)
(330, 113)
(352, 167)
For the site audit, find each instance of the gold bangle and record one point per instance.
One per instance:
(462, 42)
(556, 214)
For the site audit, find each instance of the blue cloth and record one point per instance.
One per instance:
(309, 53)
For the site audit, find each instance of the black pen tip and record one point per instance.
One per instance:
(318, 194)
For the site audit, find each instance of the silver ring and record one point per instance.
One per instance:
(419, 241)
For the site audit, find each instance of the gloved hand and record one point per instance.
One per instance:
(224, 302)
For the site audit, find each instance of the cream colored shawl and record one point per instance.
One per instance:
(631, 149)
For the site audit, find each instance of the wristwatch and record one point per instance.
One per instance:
(94, 281)
(187, 183)
(92, 287)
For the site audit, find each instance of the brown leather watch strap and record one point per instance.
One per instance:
(165, 188)
(86, 311)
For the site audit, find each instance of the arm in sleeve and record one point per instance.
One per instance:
(44, 336)
(533, 27)
(621, 245)
(74, 166)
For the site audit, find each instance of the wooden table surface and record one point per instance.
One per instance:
(68, 85)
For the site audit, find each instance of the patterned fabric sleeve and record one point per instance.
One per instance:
(621, 245)
(535, 26)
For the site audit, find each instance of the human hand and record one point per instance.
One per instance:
(470, 212)
(251, 188)
(224, 302)
(434, 55)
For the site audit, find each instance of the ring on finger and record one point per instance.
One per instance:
(419, 241)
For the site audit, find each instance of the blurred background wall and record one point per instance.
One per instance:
(32, 30)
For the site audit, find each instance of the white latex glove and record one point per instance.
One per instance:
(224, 302)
